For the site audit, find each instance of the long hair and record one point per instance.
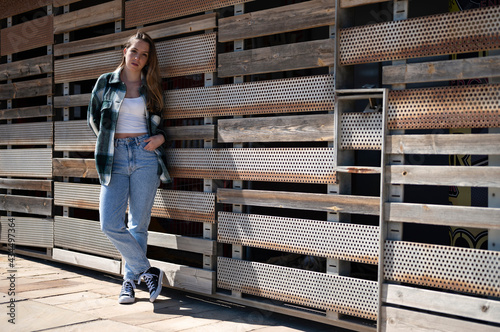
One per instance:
(151, 71)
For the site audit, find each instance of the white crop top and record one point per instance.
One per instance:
(131, 118)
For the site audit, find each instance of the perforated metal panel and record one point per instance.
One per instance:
(86, 67)
(312, 93)
(355, 297)
(308, 165)
(458, 269)
(469, 106)
(361, 131)
(83, 235)
(28, 231)
(357, 243)
(460, 32)
(36, 133)
(33, 163)
(141, 12)
(184, 205)
(187, 56)
(73, 136)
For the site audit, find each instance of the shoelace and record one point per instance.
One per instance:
(149, 279)
(128, 287)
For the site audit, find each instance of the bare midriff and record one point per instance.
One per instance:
(125, 135)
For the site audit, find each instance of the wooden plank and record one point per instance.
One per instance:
(444, 215)
(311, 54)
(204, 132)
(463, 176)
(305, 15)
(32, 163)
(8, 9)
(27, 112)
(72, 100)
(186, 278)
(26, 36)
(26, 204)
(34, 133)
(59, 3)
(24, 184)
(34, 232)
(178, 242)
(437, 71)
(89, 261)
(169, 29)
(302, 128)
(355, 3)
(447, 303)
(73, 136)
(477, 144)
(301, 201)
(87, 17)
(74, 167)
(26, 89)
(403, 320)
(34, 66)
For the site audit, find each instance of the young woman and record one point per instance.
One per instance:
(125, 115)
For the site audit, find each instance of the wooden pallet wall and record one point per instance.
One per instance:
(295, 176)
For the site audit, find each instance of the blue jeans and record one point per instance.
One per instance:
(134, 179)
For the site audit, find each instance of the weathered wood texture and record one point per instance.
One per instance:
(26, 112)
(33, 163)
(311, 54)
(26, 89)
(72, 100)
(74, 167)
(187, 25)
(355, 3)
(25, 68)
(73, 136)
(437, 71)
(401, 320)
(82, 235)
(35, 133)
(142, 12)
(449, 33)
(204, 132)
(184, 243)
(26, 204)
(305, 15)
(8, 9)
(32, 232)
(187, 278)
(301, 128)
(464, 176)
(452, 304)
(301, 201)
(93, 262)
(59, 3)
(25, 184)
(473, 144)
(302, 94)
(432, 214)
(26, 36)
(87, 17)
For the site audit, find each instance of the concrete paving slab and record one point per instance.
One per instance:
(77, 297)
(179, 324)
(99, 325)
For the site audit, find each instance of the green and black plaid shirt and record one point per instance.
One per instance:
(102, 116)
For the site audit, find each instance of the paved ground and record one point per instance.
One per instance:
(58, 297)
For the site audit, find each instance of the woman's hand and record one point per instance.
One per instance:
(154, 142)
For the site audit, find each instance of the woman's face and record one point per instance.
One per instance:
(136, 55)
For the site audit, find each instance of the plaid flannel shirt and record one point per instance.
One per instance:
(102, 116)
